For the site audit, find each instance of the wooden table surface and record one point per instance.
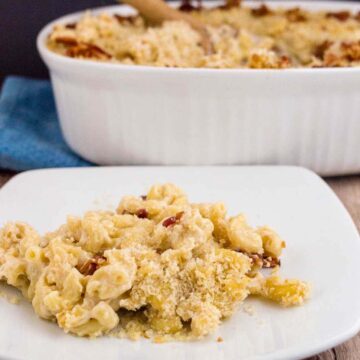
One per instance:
(348, 190)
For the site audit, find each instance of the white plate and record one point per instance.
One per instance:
(323, 248)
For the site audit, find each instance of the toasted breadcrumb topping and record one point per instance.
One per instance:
(242, 37)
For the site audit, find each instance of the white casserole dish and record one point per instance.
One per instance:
(119, 114)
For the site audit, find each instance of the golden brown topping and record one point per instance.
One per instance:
(295, 15)
(238, 41)
(262, 10)
(143, 197)
(340, 15)
(219, 339)
(142, 214)
(88, 51)
(320, 50)
(172, 220)
(89, 267)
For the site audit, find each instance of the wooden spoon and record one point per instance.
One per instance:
(157, 11)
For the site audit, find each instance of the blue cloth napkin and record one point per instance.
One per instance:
(30, 136)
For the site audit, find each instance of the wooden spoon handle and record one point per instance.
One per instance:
(157, 11)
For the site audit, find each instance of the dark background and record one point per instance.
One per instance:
(20, 22)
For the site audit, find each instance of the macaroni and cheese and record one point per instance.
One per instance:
(158, 267)
(242, 37)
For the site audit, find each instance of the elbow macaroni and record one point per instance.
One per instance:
(157, 267)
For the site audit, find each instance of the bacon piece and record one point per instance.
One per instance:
(270, 262)
(65, 40)
(262, 10)
(295, 15)
(142, 214)
(284, 61)
(229, 4)
(172, 220)
(339, 15)
(90, 266)
(320, 50)
(187, 6)
(71, 25)
(256, 259)
(87, 51)
(266, 262)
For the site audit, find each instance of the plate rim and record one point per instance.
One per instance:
(284, 354)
